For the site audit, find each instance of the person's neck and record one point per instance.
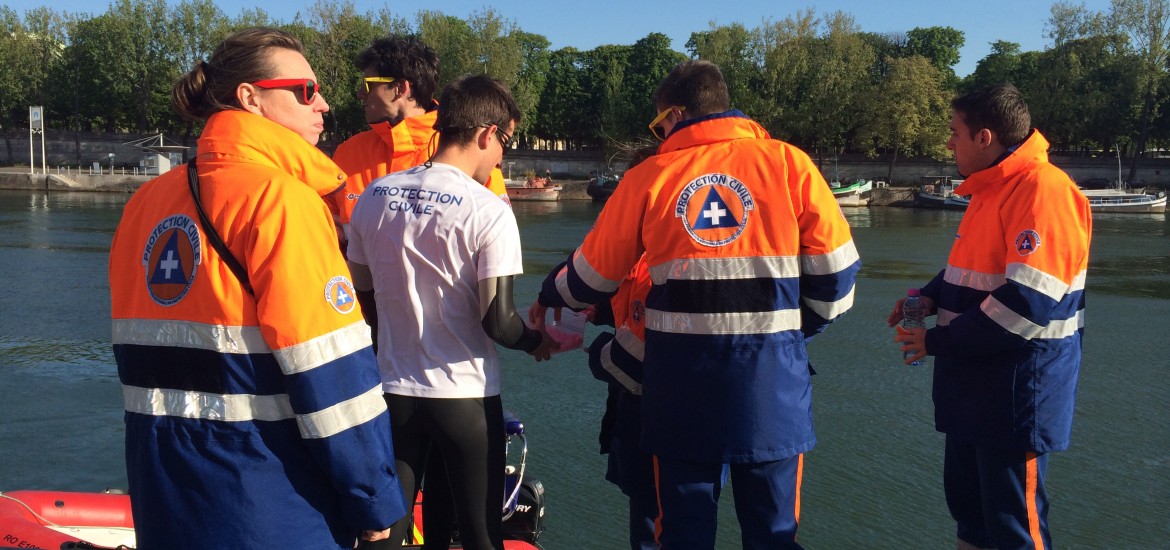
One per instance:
(464, 158)
(412, 109)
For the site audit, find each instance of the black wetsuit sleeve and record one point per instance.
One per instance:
(503, 325)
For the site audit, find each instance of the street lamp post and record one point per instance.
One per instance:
(1119, 186)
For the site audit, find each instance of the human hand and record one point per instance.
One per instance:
(590, 312)
(536, 315)
(896, 315)
(372, 536)
(547, 346)
(913, 340)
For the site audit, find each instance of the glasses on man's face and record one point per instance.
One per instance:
(504, 139)
(376, 79)
(309, 87)
(655, 129)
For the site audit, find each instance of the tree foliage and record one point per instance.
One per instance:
(816, 79)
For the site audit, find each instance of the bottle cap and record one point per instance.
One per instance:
(913, 292)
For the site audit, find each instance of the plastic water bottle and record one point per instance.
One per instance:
(913, 316)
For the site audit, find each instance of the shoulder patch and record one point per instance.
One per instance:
(340, 294)
(714, 209)
(171, 259)
(1027, 242)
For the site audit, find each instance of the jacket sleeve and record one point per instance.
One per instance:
(829, 262)
(595, 270)
(309, 316)
(1046, 230)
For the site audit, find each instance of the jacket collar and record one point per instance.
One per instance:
(1033, 150)
(412, 134)
(724, 126)
(256, 139)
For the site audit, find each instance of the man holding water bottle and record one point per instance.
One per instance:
(1010, 308)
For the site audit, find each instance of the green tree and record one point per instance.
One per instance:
(340, 33)
(530, 81)
(564, 100)
(450, 36)
(910, 112)
(1147, 25)
(651, 59)
(197, 26)
(731, 47)
(1001, 65)
(939, 45)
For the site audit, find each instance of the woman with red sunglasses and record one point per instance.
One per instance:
(254, 411)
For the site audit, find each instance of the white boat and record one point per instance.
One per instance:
(854, 194)
(1119, 200)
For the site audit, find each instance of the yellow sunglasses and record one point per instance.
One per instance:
(384, 79)
(658, 119)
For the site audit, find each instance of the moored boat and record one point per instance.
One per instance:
(854, 194)
(602, 185)
(533, 189)
(1117, 200)
(939, 192)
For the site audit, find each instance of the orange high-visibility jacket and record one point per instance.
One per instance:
(1011, 306)
(749, 255)
(384, 149)
(251, 421)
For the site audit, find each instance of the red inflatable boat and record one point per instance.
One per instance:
(53, 520)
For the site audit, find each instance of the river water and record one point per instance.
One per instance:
(873, 481)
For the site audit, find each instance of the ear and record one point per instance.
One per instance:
(985, 137)
(248, 96)
(484, 139)
(403, 87)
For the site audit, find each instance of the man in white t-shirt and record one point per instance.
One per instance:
(439, 251)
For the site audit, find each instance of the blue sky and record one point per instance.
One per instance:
(585, 24)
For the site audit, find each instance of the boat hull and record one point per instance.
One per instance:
(534, 193)
(1111, 200)
(51, 519)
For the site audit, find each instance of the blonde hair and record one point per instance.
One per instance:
(243, 56)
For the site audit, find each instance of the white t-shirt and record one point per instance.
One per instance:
(429, 235)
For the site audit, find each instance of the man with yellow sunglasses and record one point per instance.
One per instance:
(399, 77)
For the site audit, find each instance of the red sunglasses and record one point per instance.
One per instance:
(309, 88)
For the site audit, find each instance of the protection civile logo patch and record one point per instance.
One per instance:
(1027, 242)
(714, 209)
(171, 259)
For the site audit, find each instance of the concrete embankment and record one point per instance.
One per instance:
(75, 182)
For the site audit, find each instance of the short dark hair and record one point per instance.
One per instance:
(470, 103)
(999, 108)
(406, 58)
(697, 85)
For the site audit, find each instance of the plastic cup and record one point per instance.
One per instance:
(568, 331)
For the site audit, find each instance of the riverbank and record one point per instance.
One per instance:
(571, 190)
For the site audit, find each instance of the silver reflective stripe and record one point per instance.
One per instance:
(828, 264)
(323, 349)
(1019, 325)
(709, 269)
(767, 322)
(206, 406)
(343, 416)
(622, 378)
(831, 310)
(1016, 324)
(630, 342)
(1037, 280)
(973, 279)
(1078, 282)
(944, 317)
(187, 334)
